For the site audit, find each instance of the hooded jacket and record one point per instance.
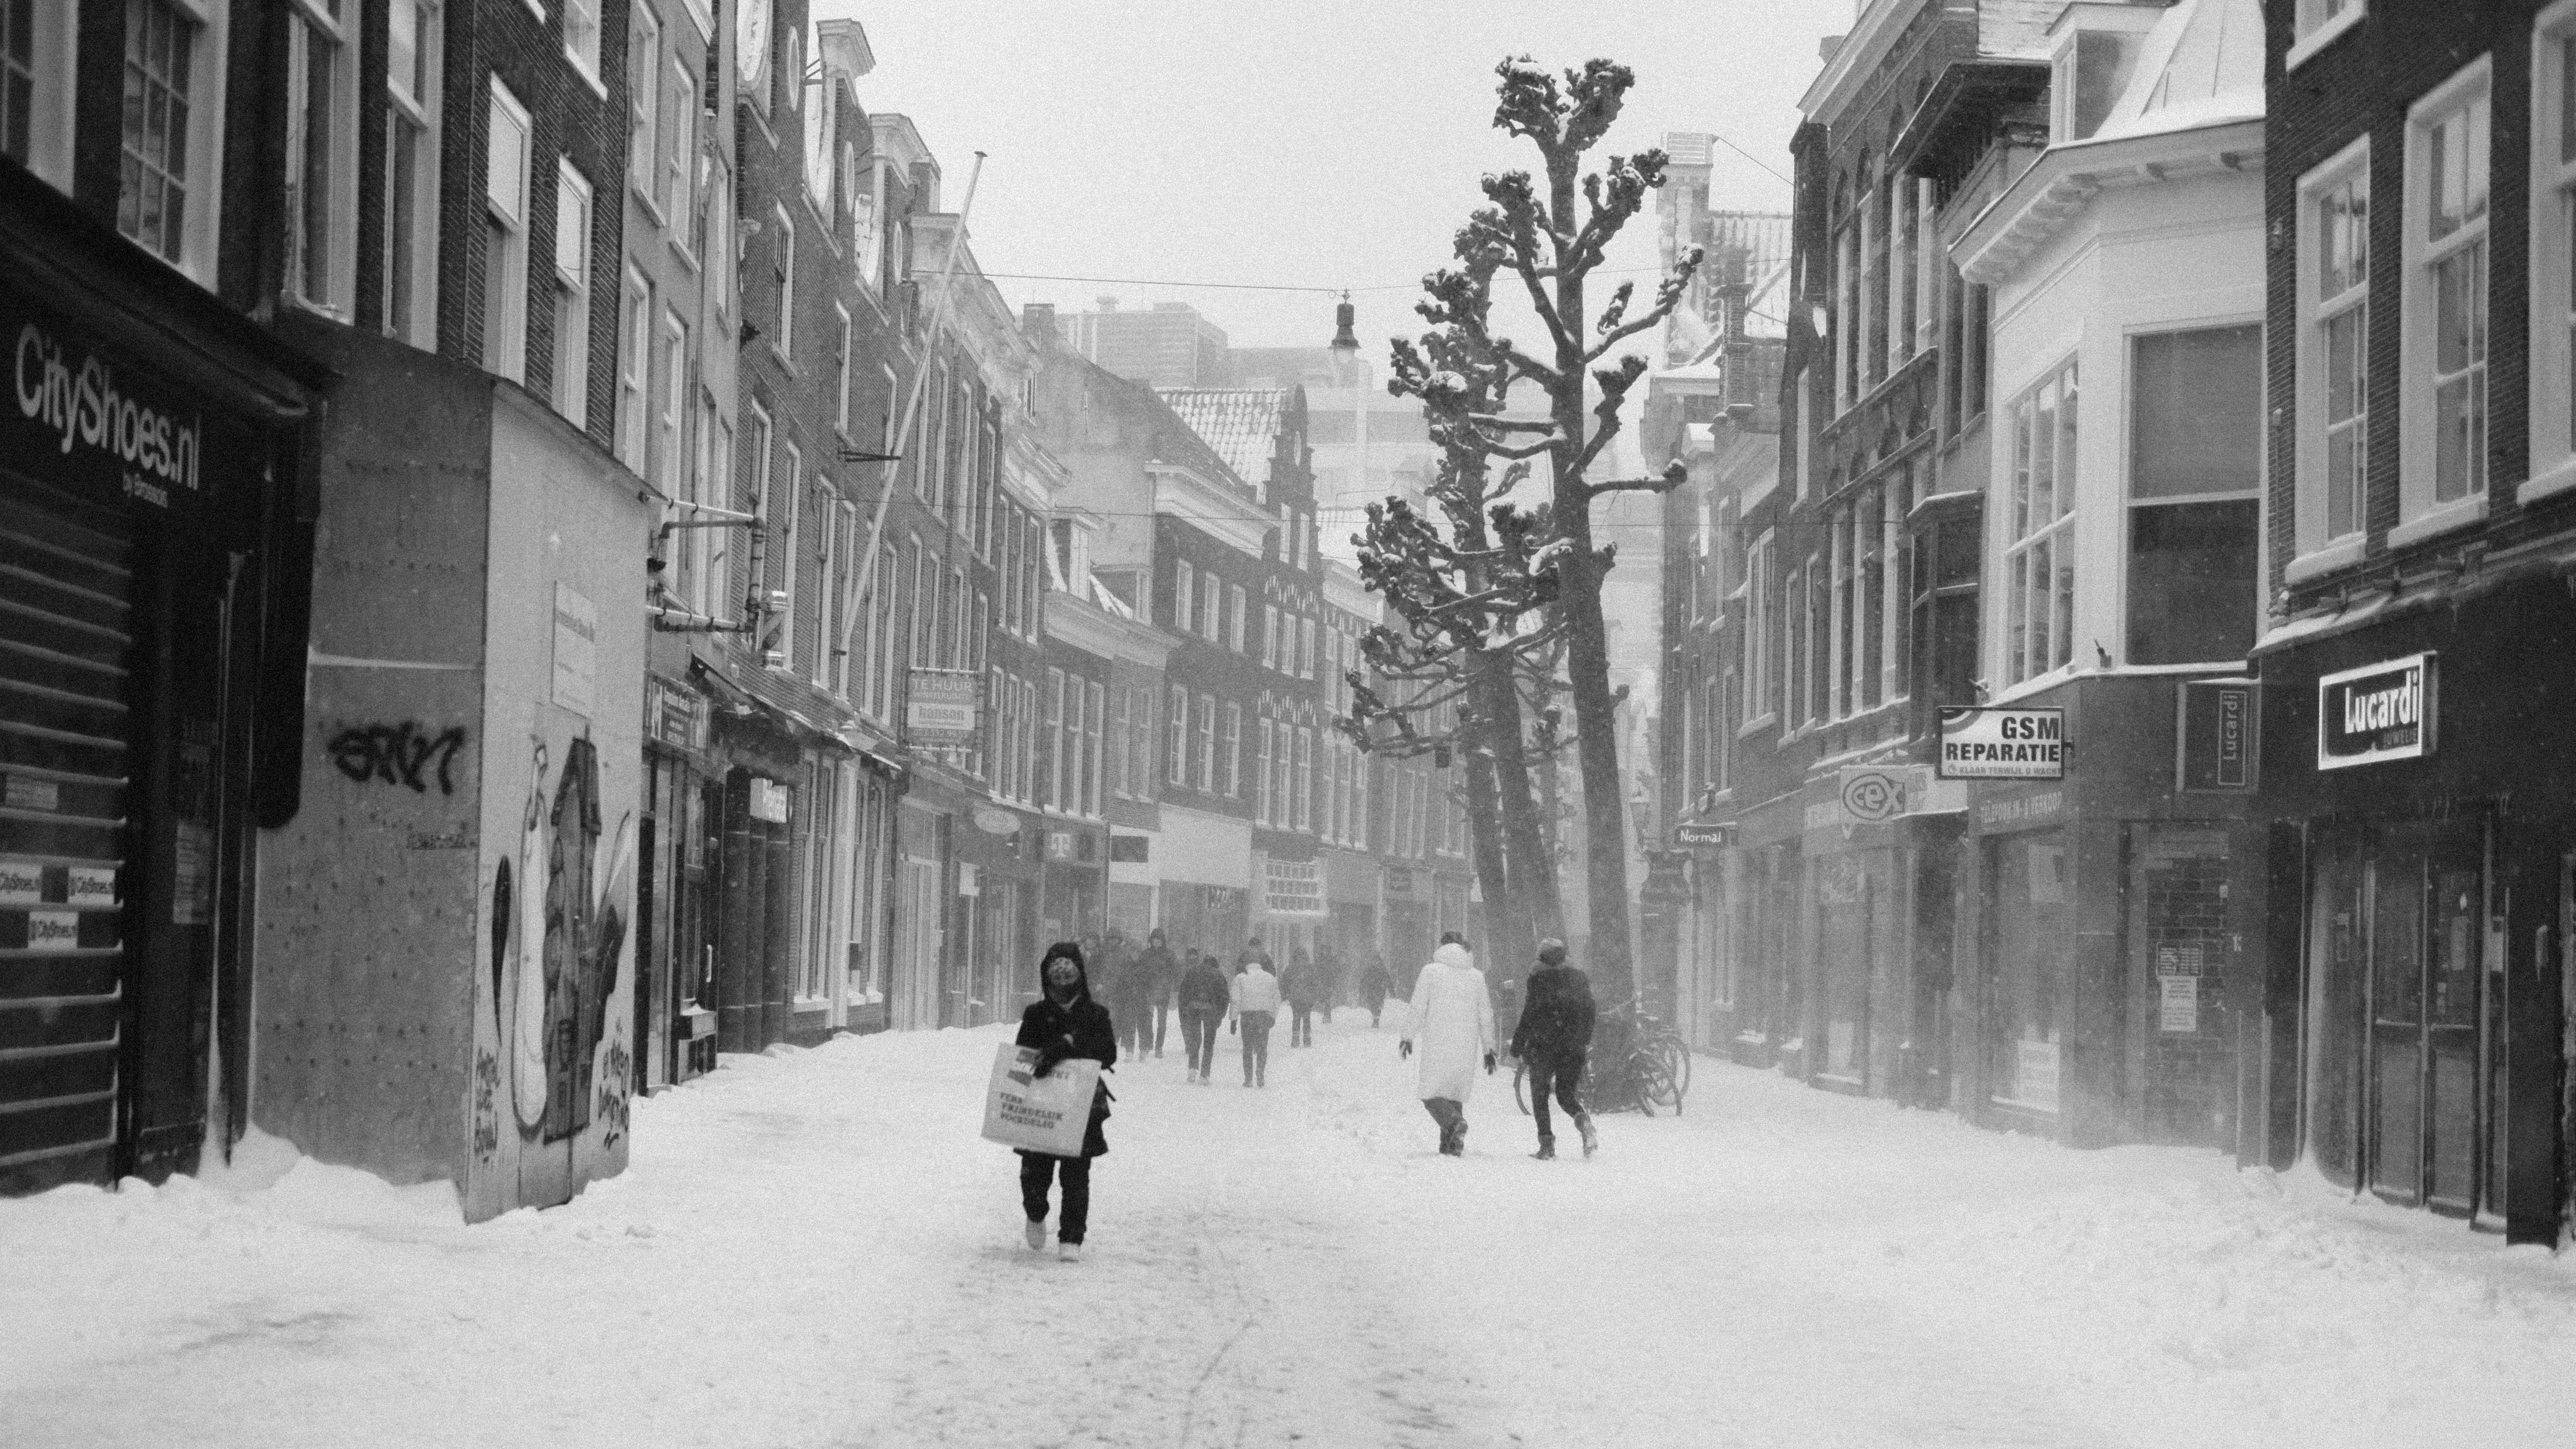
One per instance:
(1556, 1017)
(1204, 988)
(1453, 1024)
(1079, 1027)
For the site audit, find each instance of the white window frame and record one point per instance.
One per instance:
(1235, 602)
(581, 39)
(52, 50)
(2420, 515)
(202, 186)
(1233, 772)
(422, 113)
(1095, 738)
(1184, 595)
(635, 335)
(505, 200)
(1759, 711)
(1203, 766)
(572, 293)
(841, 371)
(644, 108)
(787, 536)
(2552, 250)
(782, 341)
(2317, 23)
(2318, 547)
(673, 384)
(2017, 539)
(679, 142)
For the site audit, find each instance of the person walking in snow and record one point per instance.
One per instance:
(1453, 1024)
(1375, 986)
(1205, 996)
(1554, 1033)
(1162, 977)
(1252, 952)
(1303, 987)
(1131, 995)
(1255, 1001)
(1065, 1024)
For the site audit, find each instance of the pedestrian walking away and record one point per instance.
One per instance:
(1554, 1033)
(1453, 1029)
(1255, 1000)
(1375, 986)
(1162, 973)
(1131, 998)
(1065, 1024)
(1302, 987)
(1205, 998)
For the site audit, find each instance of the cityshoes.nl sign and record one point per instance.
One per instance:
(2003, 744)
(146, 446)
(2383, 711)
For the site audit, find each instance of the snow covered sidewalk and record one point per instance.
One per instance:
(814, 1249)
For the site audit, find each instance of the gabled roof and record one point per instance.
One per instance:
(1240, 423)
(2202, 66)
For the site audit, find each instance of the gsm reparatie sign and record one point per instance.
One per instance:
(2003, 744)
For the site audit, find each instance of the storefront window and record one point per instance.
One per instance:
(1843, 912)
(2034, 937)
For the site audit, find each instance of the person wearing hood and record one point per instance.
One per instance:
(1162, 976)
(1205, 996)
(1453, 1025)
(1555, 1032)
(1375, 986)
(1254, 999)
(1065, 1024)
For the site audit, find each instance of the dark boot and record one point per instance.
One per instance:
(1546, 1150)
(1591, 1139)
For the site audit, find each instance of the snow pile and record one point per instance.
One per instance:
(813, 1248)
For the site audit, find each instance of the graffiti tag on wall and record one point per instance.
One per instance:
(400, 754)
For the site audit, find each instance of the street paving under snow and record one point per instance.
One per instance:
(813, 1248)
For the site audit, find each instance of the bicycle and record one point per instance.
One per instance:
(1654, 1072)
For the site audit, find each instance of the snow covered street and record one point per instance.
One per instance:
(814, 1249)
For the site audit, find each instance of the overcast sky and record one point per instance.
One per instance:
(1326, 143)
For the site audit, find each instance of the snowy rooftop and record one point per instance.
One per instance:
(1239, 423)
(2202, 65)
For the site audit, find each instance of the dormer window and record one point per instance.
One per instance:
(2097, 48)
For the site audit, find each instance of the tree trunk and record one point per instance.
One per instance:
(1528, 860)
(1506, 918)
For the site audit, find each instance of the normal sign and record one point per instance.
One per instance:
(2003, 744)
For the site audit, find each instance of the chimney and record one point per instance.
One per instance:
(1037, 322)
(1826, 48)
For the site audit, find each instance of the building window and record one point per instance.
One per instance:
(1203, 775)
(572, 293)
(1305, 792)
(643, 110)
(1093, 765)
(505, 238)
(320, 143)
(679, 142)
(412, 89)
(1184, 592)
(36, 68)
(1758, 606)
(1305, 647)
(2039, 556)
(1051, 792)
(2315, 23)
(168, 144)
(1261, 770)
(782, 273)
(675, 403)
(1234, 611)
(2195, 478)
(2442, 465)
(1233, 756)
(2553, 251)
(841, 370)
(1269, 636)
(2333, 453)
(1176, 739)
(581, 36)
(634, 362)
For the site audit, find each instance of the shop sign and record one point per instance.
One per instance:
(2003, 744)
(1130, 849)
(2035, 1075)
(1059, 845)
(108, 426)
(768, 801)
(2178, 1004)
(2214, 736)
(1871, 793)
(2039, 805)
(943, 707)
(2384, 711)
(1399, 880)
(996, 822)
(1704, 834)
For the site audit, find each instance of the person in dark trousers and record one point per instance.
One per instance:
(1162, 977)
(1302, 987)
(1375, 986)
(1255, 1000)
(1062, 1025)
(1131, 995)
(1554, 1034)
(1205, 997)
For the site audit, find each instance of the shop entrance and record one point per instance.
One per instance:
(2405, 1056)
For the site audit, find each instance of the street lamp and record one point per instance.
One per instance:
(1346, 341)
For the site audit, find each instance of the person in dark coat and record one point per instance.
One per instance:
(1130, 993)
(1554, 1034)
(1303, 987)
(1162, 976)
(1062, 1025)
(1252, 952)
(1375, 985)
(1206, 996)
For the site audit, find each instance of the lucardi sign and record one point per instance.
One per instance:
(2384, 711)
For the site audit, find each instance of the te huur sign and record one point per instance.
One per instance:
(2218, 722)
(2378, 712)
(2003, 744)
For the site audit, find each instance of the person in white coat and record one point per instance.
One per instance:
(1453, 1025)
(1254, 1001)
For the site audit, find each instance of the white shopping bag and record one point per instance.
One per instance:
(1039, 1114)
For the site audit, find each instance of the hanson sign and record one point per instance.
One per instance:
(2383, 711)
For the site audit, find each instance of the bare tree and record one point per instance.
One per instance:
(1551, 234)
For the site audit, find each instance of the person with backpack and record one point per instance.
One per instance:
(1255, 1002)
(1554, 1034)
(1062, 1025)
(1205, 997)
